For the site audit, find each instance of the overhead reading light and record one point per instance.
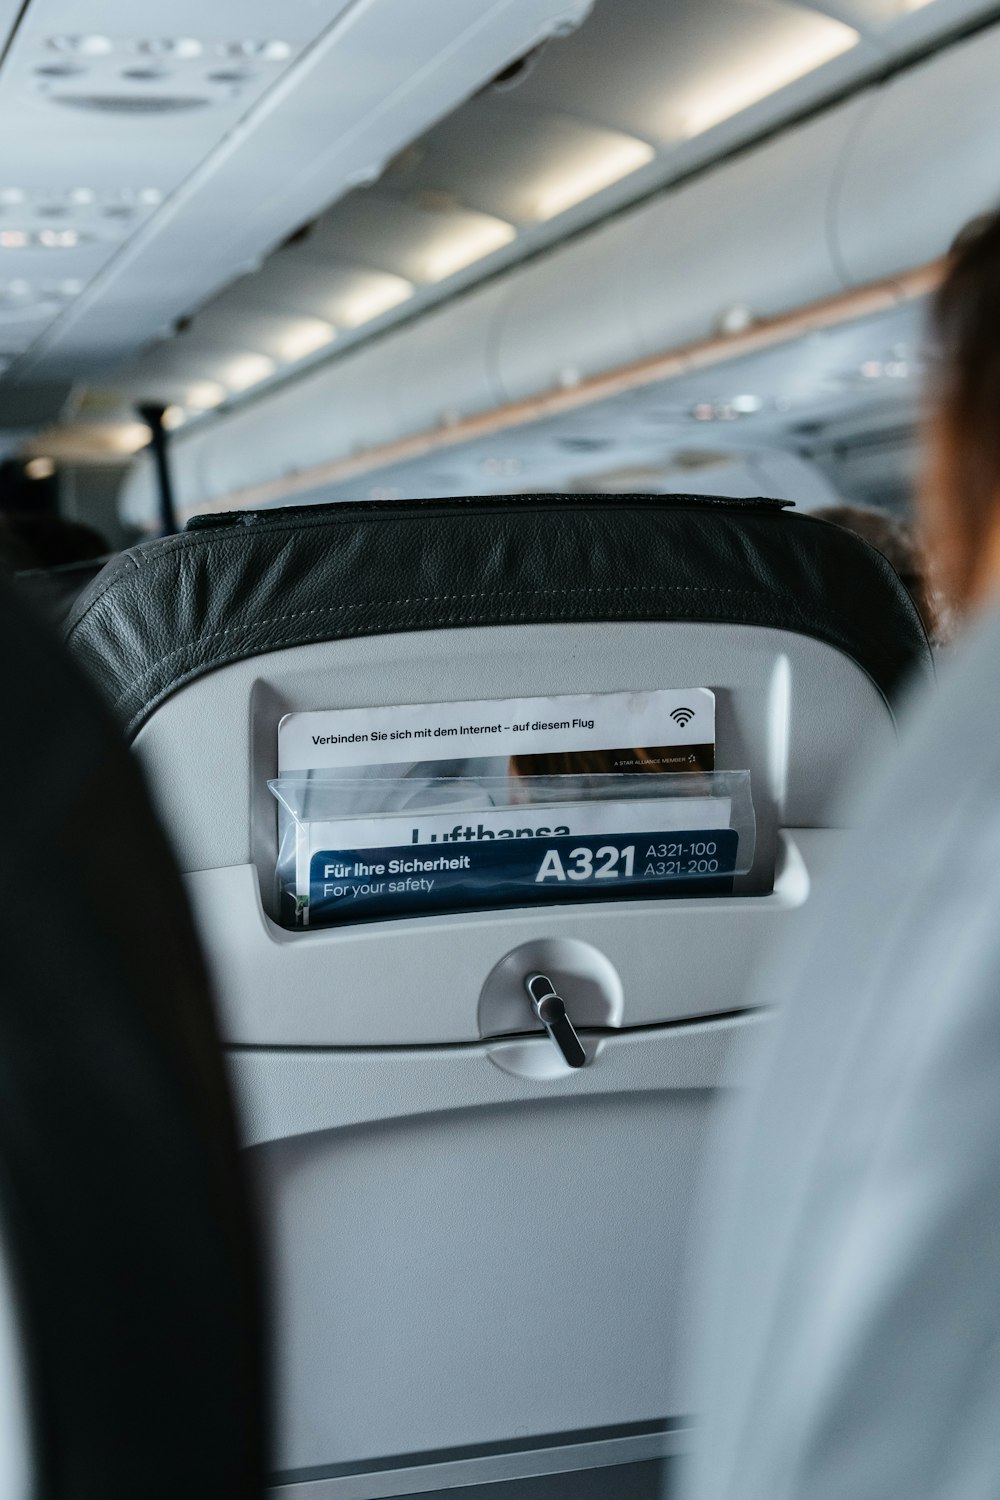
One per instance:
(50, 203)
(605, 161)
(465, 238)
(265, 51)
(167, 46)
(248, 370)
(811, 41)
(82, 46)
(306, 337)
(40, 468)
(376, 293)
(727, 411)
(204, 395)
(58, 239)
(46, 239)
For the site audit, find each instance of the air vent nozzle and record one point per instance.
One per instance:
(585, 444)
(132, 104)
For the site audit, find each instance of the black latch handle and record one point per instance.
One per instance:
(551, 1011)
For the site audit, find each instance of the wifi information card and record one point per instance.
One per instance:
(449, 806)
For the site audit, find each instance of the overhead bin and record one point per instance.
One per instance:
(751, 233)
(323, 417)
(444, 364)
(437, 372)
(657, 277)
(568, 315)
(836, 202)
(922, 162)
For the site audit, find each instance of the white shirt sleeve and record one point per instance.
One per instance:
(850, 1322)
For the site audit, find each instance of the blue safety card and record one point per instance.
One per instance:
(352, 885)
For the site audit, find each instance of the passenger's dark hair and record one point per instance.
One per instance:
(896, 539)
(962, 491)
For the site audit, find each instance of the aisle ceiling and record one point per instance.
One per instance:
(158, 151)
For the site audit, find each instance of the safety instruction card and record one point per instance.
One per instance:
(451, 806)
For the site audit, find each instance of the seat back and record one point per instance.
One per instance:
(477, 1254)
(131, 1325)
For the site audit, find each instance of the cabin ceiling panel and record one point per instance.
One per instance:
(104, 129)
(369, 81)
(643, 90)
(135, 217)
(927, 168)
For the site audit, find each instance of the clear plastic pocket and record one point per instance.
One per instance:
(354, 849)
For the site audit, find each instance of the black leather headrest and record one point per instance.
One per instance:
(238, 585)
(123, 1210)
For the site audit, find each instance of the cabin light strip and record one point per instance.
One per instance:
(247, 370)
(830, 312)
(304, 337)
(767, 72)
(378, 292)
(614, 158)
(472, 238)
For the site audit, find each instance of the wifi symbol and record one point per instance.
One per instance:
(682, 716)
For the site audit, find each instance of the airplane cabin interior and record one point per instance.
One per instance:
(542, 381)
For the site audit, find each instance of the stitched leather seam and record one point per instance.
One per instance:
(541, 503)
(146, 709)
(119, 568)
(185, 543)
(136, 684)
